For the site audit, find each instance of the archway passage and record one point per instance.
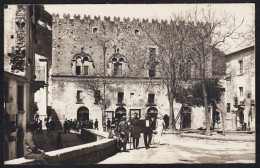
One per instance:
(19, 142)
(83, 114)
(120, 112)
(152, 112)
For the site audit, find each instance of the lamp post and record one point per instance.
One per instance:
(104, 78)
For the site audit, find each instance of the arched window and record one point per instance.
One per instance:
(82, 64)
(117, 63)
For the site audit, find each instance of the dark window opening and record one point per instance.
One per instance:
(97, 96)
(114, 59)
(79, 96)
(6, 91)
(117, 69)
(136, 32)
(85, 70)
(12, 36)
(151, 98)
(152, 72)
(20, 98)
(121, 60)
(241, 91)
(152, 54)
(120, 97)
(78, 70)
(240, 66)
(95, 30)
(228, 107)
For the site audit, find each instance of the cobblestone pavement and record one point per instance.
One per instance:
(187, 150)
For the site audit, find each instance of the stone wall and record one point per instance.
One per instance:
(82, 154)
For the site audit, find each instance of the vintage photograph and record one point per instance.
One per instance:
(129, 84)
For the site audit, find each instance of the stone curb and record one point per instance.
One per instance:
(216, 138)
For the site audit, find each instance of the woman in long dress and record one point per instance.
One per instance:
(159, 128)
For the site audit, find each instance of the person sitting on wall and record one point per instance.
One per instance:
(32, 149)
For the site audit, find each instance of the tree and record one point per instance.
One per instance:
(170, 39)
(208, 30)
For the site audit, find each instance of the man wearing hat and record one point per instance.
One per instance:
(148, 130)
(135, 130)
(32, 149)
(123, 130)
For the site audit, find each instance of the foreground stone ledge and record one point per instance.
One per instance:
(82, 154)
(217, 138)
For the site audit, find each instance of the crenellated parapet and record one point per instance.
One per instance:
(107, 20)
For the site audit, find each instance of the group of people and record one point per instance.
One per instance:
(76, 125)
(149, 127)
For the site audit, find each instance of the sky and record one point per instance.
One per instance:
(241, 11)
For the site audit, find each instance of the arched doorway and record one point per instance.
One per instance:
(19, 142)
(83, 114)
(152, 112)
(120, 112)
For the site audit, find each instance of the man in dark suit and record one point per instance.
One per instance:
(148, 130)
(135, 130)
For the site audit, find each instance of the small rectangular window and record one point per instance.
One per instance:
(241, 91)
(228, 107)
(20, 97)
(78, 70)
(97, 96)
(152, 54)
(85, 70)
(151, 72)
(132, 95)
(95, 30)
(79, 96)
(151, 98)
(120, 97)
(240, 66)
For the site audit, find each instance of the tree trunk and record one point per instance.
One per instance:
(223, 122)
(207, 119)
(172, 121)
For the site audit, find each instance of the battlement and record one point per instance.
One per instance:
(66, 18)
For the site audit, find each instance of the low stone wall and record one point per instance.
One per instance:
(81, 154)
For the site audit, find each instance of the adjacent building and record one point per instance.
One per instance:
(240, 89)
(19, 78)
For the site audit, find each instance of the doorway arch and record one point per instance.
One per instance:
(152, 112)
(19, 142)
(83, 113)
(120, 112)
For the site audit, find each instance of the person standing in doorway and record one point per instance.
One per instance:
(135, 130)
(96, 124)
